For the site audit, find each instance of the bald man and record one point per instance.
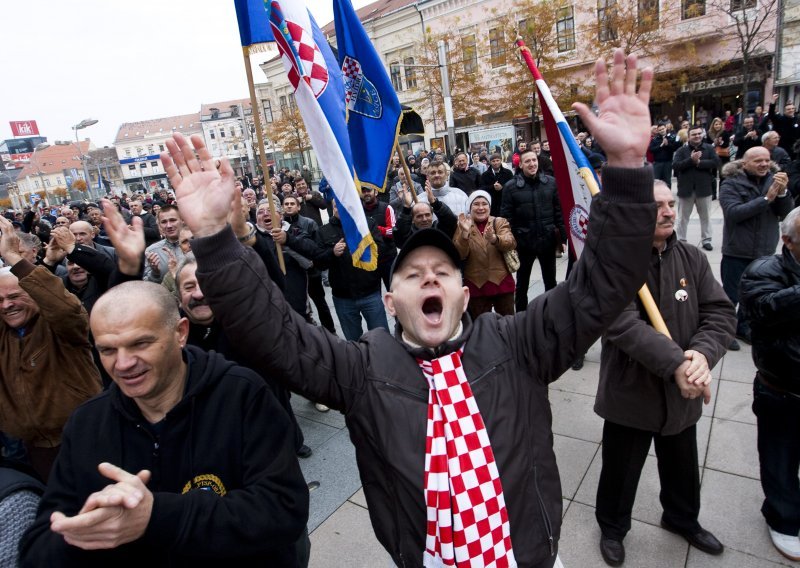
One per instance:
(46, 365)
(186, 457)
(753, 203)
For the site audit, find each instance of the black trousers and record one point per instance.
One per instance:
(731, 269)
(317, 294)
(547, 261)
(624, 453)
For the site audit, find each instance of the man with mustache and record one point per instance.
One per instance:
(651, 386)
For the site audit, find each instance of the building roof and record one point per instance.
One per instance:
(373, 11)
(224, 107)
(55, 159)
(184, 123)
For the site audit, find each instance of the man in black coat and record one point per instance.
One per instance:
(462, 176)
(532, 207)
(663, 146)
(786, 124)
(770, 298)
(695, 164)
(746, 137)
(493, 180)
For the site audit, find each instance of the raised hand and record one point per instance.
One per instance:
(9, 242)
(128, 241)
(464, 225)
(53, 254)
(64, 239)
(204, 192)
(622, 126)
(429, 192)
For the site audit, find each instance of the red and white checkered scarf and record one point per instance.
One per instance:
(467, 522)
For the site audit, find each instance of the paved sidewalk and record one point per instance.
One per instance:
(341, 534)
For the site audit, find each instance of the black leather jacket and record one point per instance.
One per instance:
(769, 295)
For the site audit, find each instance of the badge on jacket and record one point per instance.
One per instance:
(681, 295)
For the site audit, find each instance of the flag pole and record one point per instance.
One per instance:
(256, 112)
(656, 319)
(409, 181)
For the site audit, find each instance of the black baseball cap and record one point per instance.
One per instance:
(426, 238)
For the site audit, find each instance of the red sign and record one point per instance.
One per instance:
(24, 128)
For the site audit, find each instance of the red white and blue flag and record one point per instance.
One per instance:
(575, 178)
(320, 96)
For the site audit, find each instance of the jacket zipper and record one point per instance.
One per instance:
(406, 391)
(545, 516)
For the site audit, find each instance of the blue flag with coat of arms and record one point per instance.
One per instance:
(374, 113)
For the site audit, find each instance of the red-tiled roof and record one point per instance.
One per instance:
(185, 123)
(224, 106)
(372, 11)
(55, 159)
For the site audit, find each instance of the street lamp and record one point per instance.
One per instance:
(83, 124)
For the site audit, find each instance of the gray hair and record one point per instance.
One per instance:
(30, 241)
(188, 260)
(767, 134)
(789, 224)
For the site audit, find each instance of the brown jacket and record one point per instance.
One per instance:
(483, 261)
(50, 371)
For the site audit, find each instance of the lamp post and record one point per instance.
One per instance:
(83, 124)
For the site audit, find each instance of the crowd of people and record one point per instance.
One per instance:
(151, 344)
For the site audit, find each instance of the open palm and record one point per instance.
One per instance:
(622, 125)
(203, 186)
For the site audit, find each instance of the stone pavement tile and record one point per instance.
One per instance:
(573, 458)
(738, 365)
(573, 416)
(305, 408)
(646, 546)
(346, 538)
(358, 498)
(334, 467)
(731, 509)
(315, 434)
(728, 559)
(582, 382)
(734, 402)
(732, 448)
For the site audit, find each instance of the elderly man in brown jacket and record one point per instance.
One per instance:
(46, 365)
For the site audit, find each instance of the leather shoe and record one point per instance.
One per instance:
(613, 551)
(304, 452)
(577, 365)
(734, 346)
(708, 246)
(701, 539)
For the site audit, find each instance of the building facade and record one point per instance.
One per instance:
(228, 132)
(51, 172)
(139, 144)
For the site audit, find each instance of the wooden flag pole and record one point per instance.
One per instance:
(409, 181)
(262, 154)
(650, 306)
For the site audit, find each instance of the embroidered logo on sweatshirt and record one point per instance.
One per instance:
(206, 482)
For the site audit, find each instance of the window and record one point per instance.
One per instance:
(154, 164)
(648, 15)
(212, 134)
(565, 29)
(58, 181)
(692, 8)
(160, 147)
(470, 46)
(291, 101)
(143, 165)
(132, 167)
(394, 72)
(128, 152)
(222, 133)
(36, 183)
(411, 73)
(47, 183)
(283, 102)
(497, 49)
(737, 5)
(149, 149)
(267, 105)
(606, 16)
(232, 132)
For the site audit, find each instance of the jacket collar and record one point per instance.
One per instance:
(790, 262)
(445, 348)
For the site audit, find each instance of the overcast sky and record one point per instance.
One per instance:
(62, 61)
